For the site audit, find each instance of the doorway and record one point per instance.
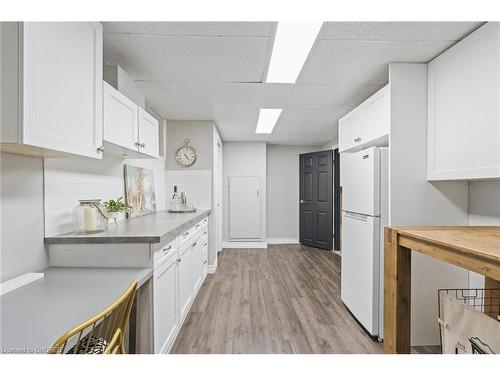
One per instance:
(316, 199)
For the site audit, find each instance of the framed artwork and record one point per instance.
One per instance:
(139, 190)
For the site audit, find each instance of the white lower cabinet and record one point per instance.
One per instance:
(180, 268)
(185, 280)
(165, 304)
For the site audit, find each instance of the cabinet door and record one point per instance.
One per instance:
(198, 263)
(185, 281)
(62, 86)
(464, 111)
(121, 118)
(148, 134)
(374, 119)
(205, 258)
(348, 132)
(165, 305)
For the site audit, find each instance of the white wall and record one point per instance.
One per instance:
(484, 209)
(484, 203)
(69, 180)
(244, 159)
(198, 180)
(21, 207)
(283, 191)
(415, 201)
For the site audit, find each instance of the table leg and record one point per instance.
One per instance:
(397, 294)
(492, 297)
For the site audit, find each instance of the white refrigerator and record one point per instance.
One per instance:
(365, 181)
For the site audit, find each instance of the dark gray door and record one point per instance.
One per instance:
(316, 199)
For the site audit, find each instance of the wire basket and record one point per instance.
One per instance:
(486, 301)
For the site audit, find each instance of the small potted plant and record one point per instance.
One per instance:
(114, 207)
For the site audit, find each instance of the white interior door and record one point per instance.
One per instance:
(360, 268)
(218, 198)
(244, 207)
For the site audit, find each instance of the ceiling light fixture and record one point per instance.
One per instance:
(292, 43)
(267, 120)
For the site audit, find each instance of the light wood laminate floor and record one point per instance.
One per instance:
(285, 299)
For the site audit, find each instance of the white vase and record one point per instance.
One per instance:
(112, 216)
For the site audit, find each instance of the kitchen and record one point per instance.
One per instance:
(248, 207)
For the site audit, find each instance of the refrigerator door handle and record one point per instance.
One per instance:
(355, 216)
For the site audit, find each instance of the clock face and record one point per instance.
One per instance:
(186, 156)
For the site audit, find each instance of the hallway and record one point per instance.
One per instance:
(285, 299)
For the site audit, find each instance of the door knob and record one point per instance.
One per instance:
(301, 201)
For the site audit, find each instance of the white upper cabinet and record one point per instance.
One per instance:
(121, 118)
(367, 125)
(51, 88)
(148, 134)
(464, 109)
(128, 129)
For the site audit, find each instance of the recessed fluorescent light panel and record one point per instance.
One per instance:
(292, 44)
(267, 120)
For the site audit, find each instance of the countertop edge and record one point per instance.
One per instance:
(65, 238)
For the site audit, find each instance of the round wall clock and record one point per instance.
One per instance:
(186, 155)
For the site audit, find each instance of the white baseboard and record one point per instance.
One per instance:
(212, 268)
(244, 245)
(283, 241)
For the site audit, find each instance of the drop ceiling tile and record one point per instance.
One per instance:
(364, 63)
(299, 139)
(239, 113)
(304, 128)
(239, 132)
(200, 58)
(202, 94)
(318, 116)
(330, 96)
(275, 95)
(193, 28)
(398, 30)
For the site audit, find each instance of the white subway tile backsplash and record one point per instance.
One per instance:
(197, 184)
(69, 180)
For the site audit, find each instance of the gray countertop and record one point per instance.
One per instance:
(153, 228)
(34, 316)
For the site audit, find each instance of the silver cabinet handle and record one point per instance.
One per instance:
(178, 260)
(205, 261)
(197, 226)
(301, 201)
(100, 149)
(205, 244)
(165, 250)
(205, 232)
(185, 234)
(193, 245)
